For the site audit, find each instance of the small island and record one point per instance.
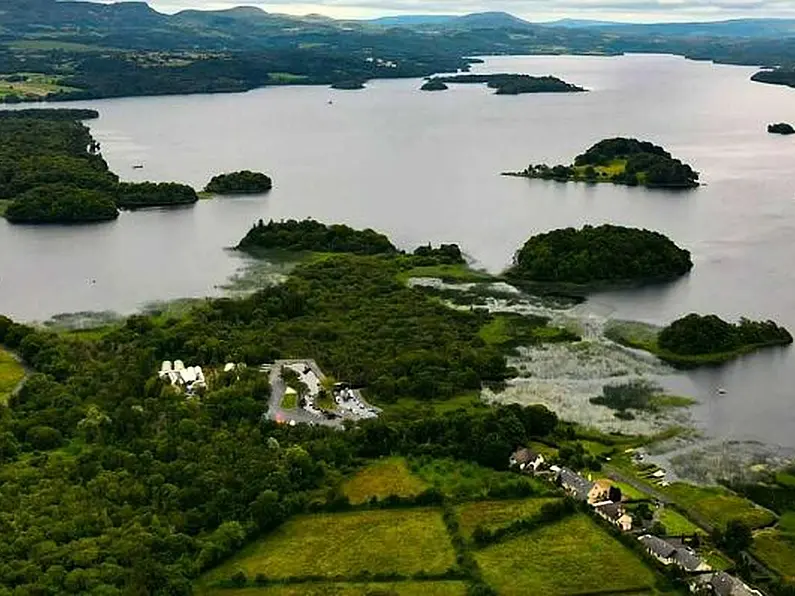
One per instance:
(312, 236)
(591, 258)
(696, 340)
(434, 84)
(239, 183)
(782, 128)
(620, 161)
(349, 85)
(513, 84)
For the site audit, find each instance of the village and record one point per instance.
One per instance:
(606, 501)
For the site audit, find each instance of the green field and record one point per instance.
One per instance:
(452, 273)
(407, 407)
(718, 506)
(11, 374)
(286, 77)
(345, 545)
(787, 522)
(628, 492)
(496, 514)
(290, 401)
(677, 524)
(408, 588)
(381, 479)
(34, 87)
(465, 480)
(569, 557)
(777, 551)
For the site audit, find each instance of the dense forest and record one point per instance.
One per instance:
(310, 235)
(782, 128)
(694, 335)
(51, 171)
(621, 161)
(434, 84)
(513, 84)
(243, 182)
(778, 76)
(603, 254)
(112, 482)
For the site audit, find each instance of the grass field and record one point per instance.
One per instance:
(408, 588)
(787, 522)
(408, 407)
(35, 85)
(677, 524)
(628, 492)
(381, 479)
(460, 479)
(286, 77)
(777, 551)
(346, 544)
(11, 373)
(496, 514)
(718, 506)
(569, 557)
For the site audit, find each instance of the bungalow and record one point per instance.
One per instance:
(723, 584)
(669, 554)
(574, 484)
(526, 460)
(615, 514)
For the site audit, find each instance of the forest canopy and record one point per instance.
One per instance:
(621, 161)
(513, 84)
(243, 182)
(130, 195)
(310, 235)
(694, 335)
(605, 253)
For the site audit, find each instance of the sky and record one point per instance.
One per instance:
(533, 10)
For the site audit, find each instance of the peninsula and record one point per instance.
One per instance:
(782, 128)
(696, 340)
(596, 257)
(239, 183)
(510, 84)
(620, 161)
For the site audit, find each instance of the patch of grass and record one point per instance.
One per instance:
(677, 524)
(465, 480)
(286, 77)
(496, 514)
(290, 401)
(718, 506)
(786, 479)
(716, 559)
(407, 588)
(672, 401)
(542, 448)
(415, 408)
(326, 401)
(568, 557)
(777, 551)
(381, 479)
(452, 273)
(11, 374)
(787, 522)
(510, 330)
(4, 205)
(629, 492)
(404, 541)
(34, 85)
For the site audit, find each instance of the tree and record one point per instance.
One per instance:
(737, 537)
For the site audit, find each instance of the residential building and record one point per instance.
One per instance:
(599, 491)
(658, 548)
(615, 514)
(722, 584)
(526, 460)
(577, 486)
(670, 554)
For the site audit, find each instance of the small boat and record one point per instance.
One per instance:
(721, 391)
(330, 102)
(138, 167)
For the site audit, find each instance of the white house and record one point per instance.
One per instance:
(526, 460)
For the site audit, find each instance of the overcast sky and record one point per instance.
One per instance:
(534, 10)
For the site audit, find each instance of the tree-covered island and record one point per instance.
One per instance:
(434, 84)
(696, 340)
(349, 85)
(239, 183)
(511, 84)
(781, 128)
(620, 161)
(594, 257)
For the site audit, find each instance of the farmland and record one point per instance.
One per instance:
(564, 558)
(381, 479)
(677, 524)
(495, 514)
(409, 588)
(11, 373)
(31, 85)
(402, 542)
(777, 551)
(718, 506)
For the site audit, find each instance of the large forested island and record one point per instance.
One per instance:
(620, 161)
(51, 171)
(310, 235)
(776, 76)
(781, 128)
(696, 340)
(239, 183)
(595, 256)
(510, 84)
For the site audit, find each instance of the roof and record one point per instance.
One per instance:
(603, 485)
(687, 559)
(576, 483)
(610, 510)
(657, 546)
(524, 456)
(725, 585)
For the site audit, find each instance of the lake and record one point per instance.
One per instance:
(425, 167)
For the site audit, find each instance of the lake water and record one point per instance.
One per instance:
(425, 167)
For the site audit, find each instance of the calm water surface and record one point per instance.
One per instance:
(424, 167)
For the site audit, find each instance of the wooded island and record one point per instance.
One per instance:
(238, 183)
(507, 84)
(620, 161)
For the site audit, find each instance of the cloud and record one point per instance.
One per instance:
(624, 10)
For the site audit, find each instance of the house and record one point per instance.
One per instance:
(615, 514)
(670, 554)
(189, 378)
(526, 460)
(658, 548)
(722, 584)
(579, 487)
(599, 492)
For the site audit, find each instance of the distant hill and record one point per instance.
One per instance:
(410, 20)
(753, 28)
